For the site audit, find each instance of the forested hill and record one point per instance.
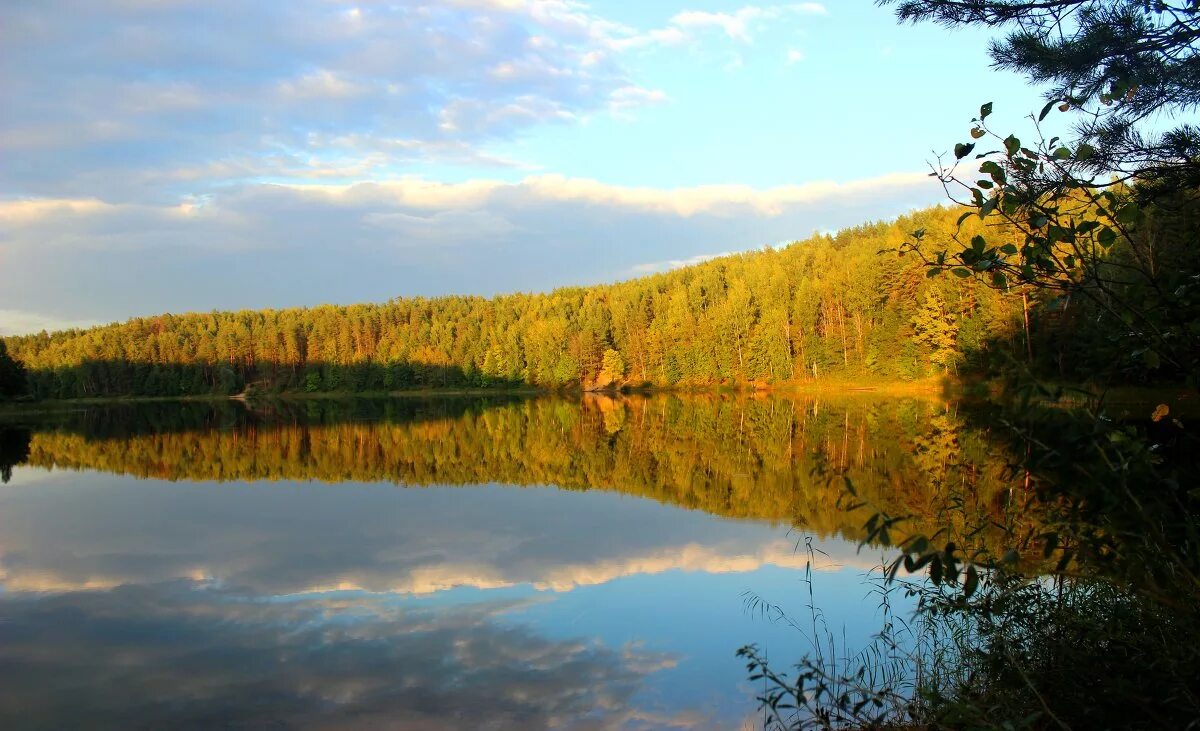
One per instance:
(828, 306)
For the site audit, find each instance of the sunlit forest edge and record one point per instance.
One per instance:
(836, 311)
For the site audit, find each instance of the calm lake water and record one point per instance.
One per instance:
(430, 564)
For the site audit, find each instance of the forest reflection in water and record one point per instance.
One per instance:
(771, 458)
(482, 599)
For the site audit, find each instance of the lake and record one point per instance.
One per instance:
(467, 562)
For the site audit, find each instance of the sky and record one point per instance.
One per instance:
(170, 155)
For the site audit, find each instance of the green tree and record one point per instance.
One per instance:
(613, 369)
(1054, 223)
(823, 307)
(937, 330)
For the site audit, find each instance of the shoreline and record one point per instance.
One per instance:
(925, 388)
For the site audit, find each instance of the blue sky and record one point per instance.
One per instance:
(171, 156)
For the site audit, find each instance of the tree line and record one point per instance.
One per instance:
(857, 305)
(825, 307)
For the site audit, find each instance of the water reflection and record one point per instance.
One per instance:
(769, 458)
(96, 531)
(14, 449)
(177, 656)
(250, 591)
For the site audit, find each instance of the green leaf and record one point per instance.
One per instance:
(1129, 213)
(985, 110)
(1062, 153)
(1012, 145)
(1150, 358)
(961, 273)
(1009, 249)
(961, 150)
(993, 169)
(1106, 237)
(999, 280)
(989, 206)
(933, 272)
(1046, 109)
(1084, 152)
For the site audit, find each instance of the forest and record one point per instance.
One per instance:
(847, 307)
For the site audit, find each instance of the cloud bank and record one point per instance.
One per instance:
(276, 245)
(131, 100)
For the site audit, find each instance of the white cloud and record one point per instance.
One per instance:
(658, 37)
(475, 117)
(811, 8)
(320, 85)
(794, 56)
(176, 89)
(15, 212)
(19, 322)
(33, 222)
(178, 101)
(631, 97)
(275, 245)
(666, 266)
(721, 200)
(739, 25)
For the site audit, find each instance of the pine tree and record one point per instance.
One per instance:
(1119, 61)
